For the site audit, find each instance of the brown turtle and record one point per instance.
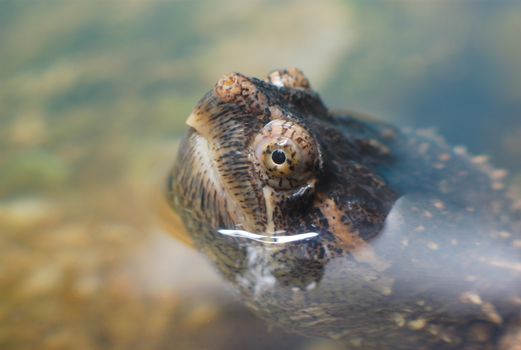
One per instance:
(334, 224)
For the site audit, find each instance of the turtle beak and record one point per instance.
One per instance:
(193, 121)
(198, 120)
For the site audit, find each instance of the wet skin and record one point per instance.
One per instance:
(337, 225)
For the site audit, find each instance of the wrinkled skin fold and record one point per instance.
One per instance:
(336, 225)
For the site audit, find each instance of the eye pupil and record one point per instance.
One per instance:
(278, 156)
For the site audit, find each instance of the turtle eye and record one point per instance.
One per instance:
(278, 157)
(285, 153)
(281, 156)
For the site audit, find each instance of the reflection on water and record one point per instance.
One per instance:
(94, 95)
(275, 239)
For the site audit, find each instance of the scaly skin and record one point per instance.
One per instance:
(417, 245)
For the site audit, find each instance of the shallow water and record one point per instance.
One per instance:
(93, 101)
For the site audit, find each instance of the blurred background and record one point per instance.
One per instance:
(93, 99)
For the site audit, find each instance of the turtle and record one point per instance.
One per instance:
(335, 224)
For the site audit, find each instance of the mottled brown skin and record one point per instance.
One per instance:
(418, 246)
